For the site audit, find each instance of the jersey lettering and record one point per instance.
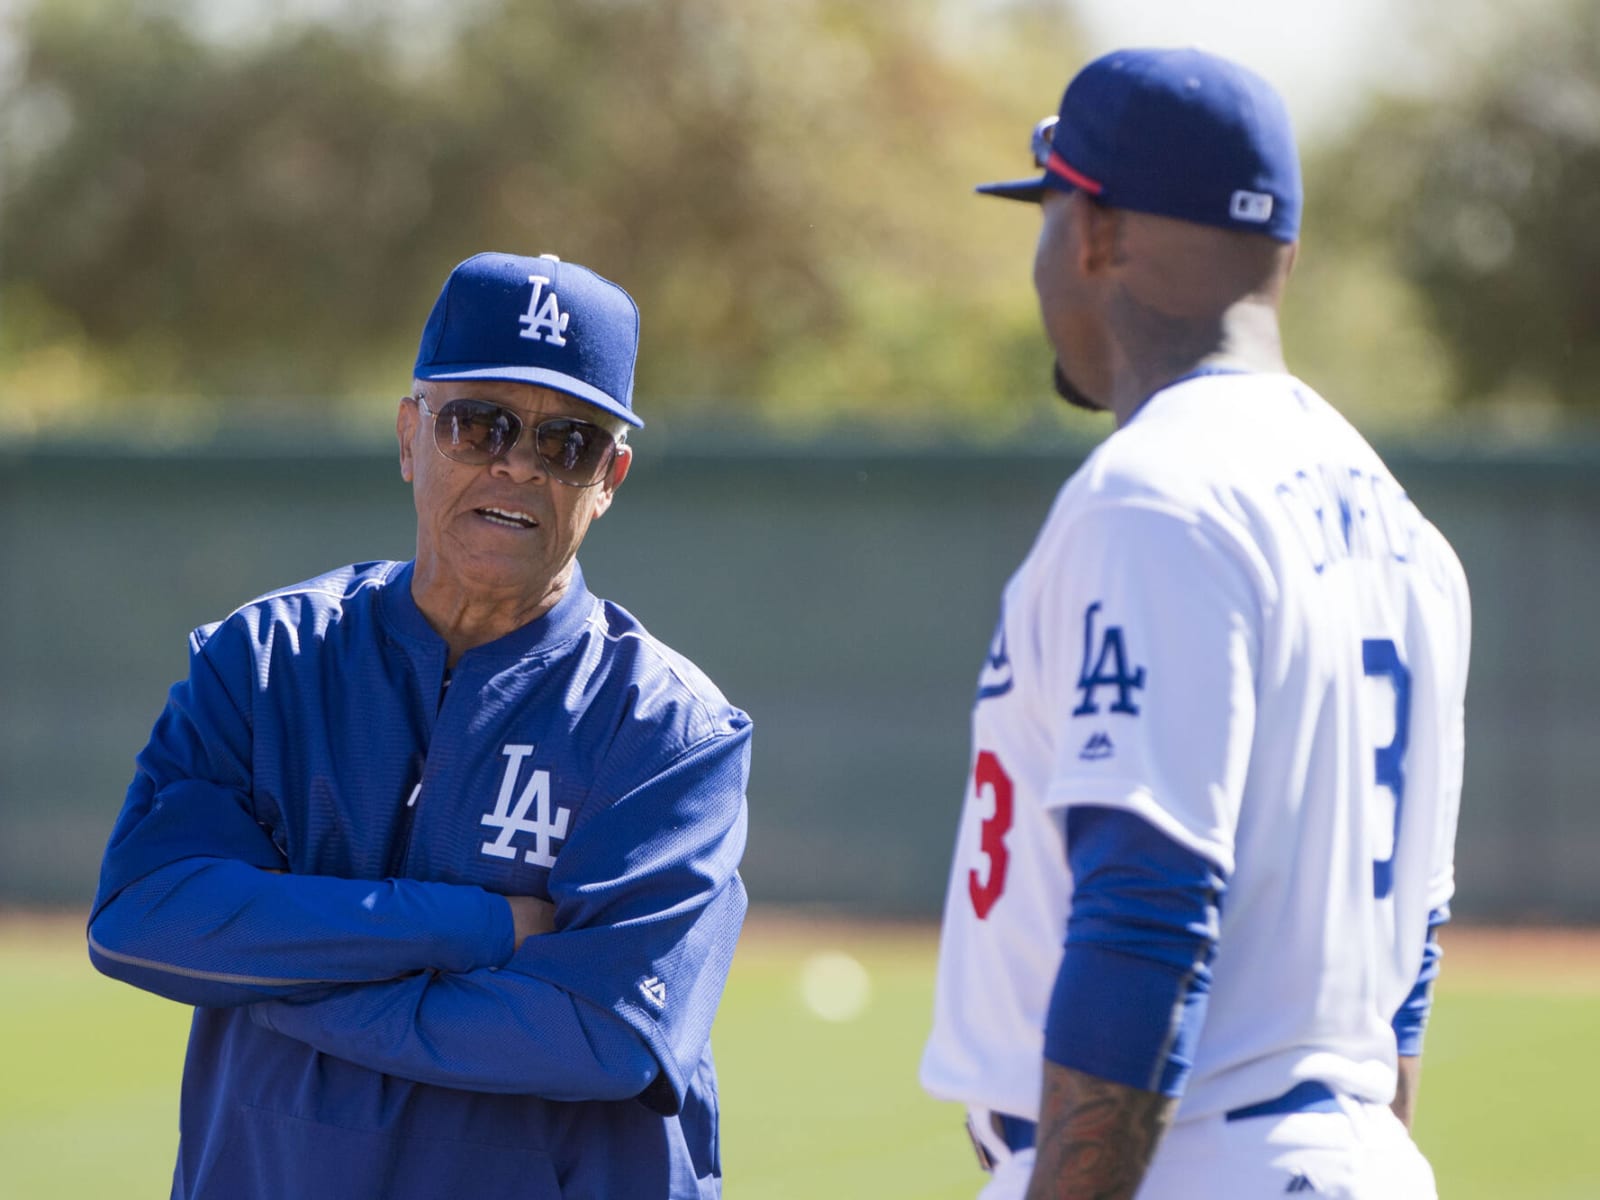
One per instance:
(1380, 658)
(1110, 669)
(544, 321)
(514, 820)
(990, 776)
(1343, 513)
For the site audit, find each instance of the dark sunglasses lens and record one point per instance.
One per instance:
(575, 451)
(474, 431)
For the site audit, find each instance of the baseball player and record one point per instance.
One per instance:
(375, 787)
(1217, 741)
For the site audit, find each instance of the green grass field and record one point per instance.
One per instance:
(818, 1107)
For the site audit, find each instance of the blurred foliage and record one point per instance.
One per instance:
(264, 209)
(1468, 210)
(244, 209)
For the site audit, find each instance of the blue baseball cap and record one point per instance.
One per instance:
(535, 320)
(1175, 133)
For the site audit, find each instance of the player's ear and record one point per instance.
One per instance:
(1099, 234)
(405, 429)
(608, 486)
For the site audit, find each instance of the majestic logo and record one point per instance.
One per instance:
(1097, 747)
(1110, 669)
(995, 677)
(513, 819)
(654, 990)
(1300, 1183)
(544, 321)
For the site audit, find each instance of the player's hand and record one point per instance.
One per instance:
(530, 915)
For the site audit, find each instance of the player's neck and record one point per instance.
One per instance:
(1244, 337)
(468, 617)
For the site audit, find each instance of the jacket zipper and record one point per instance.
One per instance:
(408, 815)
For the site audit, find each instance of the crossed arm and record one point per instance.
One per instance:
(617, 1001)
(196, 902)
(437, 982)
(196, 905)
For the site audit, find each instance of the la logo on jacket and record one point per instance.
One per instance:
(512, 819)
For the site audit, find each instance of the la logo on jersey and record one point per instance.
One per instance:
(1109, 669)
(544, 321)
(512, 819)
(995, 677)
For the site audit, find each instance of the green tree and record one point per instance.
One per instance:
(1469, 213)
(263, 213)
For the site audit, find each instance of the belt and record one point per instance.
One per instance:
(1309, 1096)
(1016, 1132)
(1019, 1133)
(995, 1135)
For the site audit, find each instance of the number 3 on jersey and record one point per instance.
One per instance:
(989, 776)
(1380, 658)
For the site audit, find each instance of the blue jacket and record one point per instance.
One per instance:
(312, 852)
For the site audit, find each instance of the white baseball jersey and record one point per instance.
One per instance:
(1235, 625)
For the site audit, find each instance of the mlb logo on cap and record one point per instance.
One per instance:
(1175, 133)
(535, 320)
(1254, 207)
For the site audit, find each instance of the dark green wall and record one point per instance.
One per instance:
(845, 602)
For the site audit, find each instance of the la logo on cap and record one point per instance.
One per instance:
(544, 321)
(510, 317)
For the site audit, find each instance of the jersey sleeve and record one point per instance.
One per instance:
(619, 1000)
(195, 902)
(1149, 634)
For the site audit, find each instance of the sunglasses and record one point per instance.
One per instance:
(479, 432)
(1043, 132)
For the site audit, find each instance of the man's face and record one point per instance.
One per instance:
(1064, 304)
(505, 530)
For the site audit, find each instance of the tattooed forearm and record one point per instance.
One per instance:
(1095, 1137)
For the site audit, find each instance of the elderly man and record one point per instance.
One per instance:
(373, 787)
(1218, 736)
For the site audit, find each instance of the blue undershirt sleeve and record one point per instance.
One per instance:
(1411, 1021)
(1130, 996)
(619, 1000)
(193, 902)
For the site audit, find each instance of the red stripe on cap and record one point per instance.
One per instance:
(1076, 178)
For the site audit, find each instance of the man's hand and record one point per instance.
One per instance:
(530, 916)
